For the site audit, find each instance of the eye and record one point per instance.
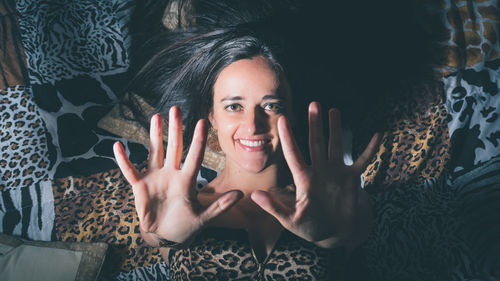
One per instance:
(234, 107)
(274, 107)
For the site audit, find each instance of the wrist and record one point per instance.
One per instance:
(148, 238)
(329, 243)
(363, 224)
(355, 235)
(155, 240)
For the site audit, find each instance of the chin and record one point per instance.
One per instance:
(254, 166)
(253, 162)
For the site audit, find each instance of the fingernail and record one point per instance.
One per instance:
(158, 120)
(118, 146)
(313, 112)
(335, 112)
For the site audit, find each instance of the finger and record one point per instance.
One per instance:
(174, 144)
(366, 156)
(194, 157)
(224, 203)
(316, 138)
(335, 146)
(272, 206)
(291, 151)
(156, 142)
(133, 177)
(127, 168)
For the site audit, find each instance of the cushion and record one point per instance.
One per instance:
(100, 207)
(120, 121)
(27, 260)
(179, 14)
(12, 58)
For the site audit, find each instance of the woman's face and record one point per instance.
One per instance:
(249, 97)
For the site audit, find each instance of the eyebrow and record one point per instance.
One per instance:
(236, 98)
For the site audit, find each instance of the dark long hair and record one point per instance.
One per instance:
(183, 67)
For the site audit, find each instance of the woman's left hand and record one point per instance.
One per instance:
(329, 204)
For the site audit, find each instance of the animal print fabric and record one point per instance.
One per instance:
(64, 39)
(26, 201)
(439, 229)
(460, 128)
(28, 211)
(226, 254)
(100, 207)
(432, 182)
(24, 145)
(413, 149)
(472, 81)
(443, 225)
(77, 55)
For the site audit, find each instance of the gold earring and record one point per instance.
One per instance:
(213, 140)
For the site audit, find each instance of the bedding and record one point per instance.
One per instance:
(434, 182)
(22, 260)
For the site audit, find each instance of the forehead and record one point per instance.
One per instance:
(249, 78)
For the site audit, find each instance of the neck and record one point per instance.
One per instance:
(234, 177)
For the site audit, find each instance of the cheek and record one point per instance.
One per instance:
(226, 130)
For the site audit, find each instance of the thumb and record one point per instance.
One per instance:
(272, 206)
(224, 203)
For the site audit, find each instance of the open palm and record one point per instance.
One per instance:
(327, 191)
(165, 196)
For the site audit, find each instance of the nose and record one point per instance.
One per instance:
(256, 121)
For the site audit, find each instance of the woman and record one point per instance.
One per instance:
(267, 214)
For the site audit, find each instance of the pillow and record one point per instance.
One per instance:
(100, 207)
(120, 121)
(12, 58)
(39, 260)
(178, 14)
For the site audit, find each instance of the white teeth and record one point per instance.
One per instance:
(252, 143)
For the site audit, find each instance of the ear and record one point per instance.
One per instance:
(212, 120)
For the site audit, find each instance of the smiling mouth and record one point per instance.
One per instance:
(252, 145)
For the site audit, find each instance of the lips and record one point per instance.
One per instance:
(252, 145)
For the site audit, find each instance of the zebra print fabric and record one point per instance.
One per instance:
(28, 211)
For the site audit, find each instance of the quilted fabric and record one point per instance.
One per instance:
(434, 182)
(25, 150)
(439, 229)
(69, 38)
(413, 149)
(100, 208)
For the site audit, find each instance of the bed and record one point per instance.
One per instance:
(435, 182)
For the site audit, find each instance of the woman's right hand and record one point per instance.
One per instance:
(165, 196)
